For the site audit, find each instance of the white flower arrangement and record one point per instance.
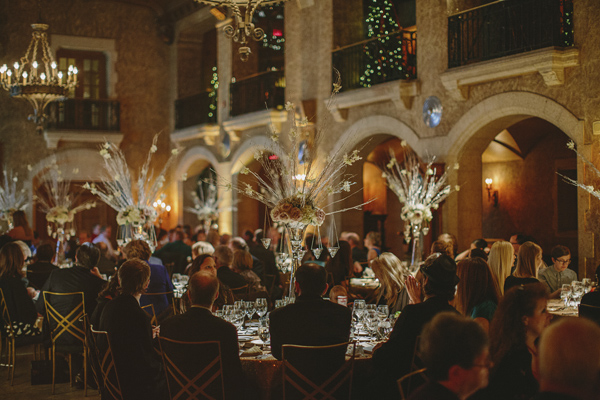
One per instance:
(131, 215)
(282, 191)
(59, 203)
(12, 196)
(419, 192)
(207, 206)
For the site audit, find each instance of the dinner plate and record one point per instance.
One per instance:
(259, 342)
(244, 338)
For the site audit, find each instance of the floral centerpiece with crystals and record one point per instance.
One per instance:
(131, 199)
(12, 197)
(298, 189)
(60, 204)
(207, 205)
(420, 192)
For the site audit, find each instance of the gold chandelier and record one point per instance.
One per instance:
(243, 28)
(40, 82)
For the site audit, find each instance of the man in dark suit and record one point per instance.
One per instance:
(138, 366)
(39, 271)
(83, 277)
(393, 359)
(223, 258)
(310, 321)
(199, 325)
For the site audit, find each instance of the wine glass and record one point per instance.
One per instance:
(261, 307)
(279, 303)
(565, 293)
(227, 312)
(250, 309)
(359, 311)
(237, 319)
(578, 291)
(384, 328)
(383, 311)
(587, 284)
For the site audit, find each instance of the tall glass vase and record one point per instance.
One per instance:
(296, 235)
(417, 248)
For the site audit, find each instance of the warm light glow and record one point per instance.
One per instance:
(163, 205)
(154, 204)
(159, 201)
(488, 181)
(168, 208)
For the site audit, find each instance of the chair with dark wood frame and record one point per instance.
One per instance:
(193, 369)
(110, 377)
(327, 380)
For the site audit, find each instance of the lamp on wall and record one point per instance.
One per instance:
(37, 78)
(492, 194)
(243, 28)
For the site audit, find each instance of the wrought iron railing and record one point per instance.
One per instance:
(382, 59)
(508, 27)
(258, 92)
(195, 110)
(84, 114)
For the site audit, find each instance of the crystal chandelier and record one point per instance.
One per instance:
(243, 29)
(40, 82)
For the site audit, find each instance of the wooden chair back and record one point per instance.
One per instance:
(194, 369)
(149, 309)
(108, 370)
(317, 372)
(404, 382)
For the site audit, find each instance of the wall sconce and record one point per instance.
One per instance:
(492, 194)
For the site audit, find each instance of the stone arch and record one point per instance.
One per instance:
(191, 156)
(246, 150)
(469, 137)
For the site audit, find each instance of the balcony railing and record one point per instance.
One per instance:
(259, 92)
(508, 27)
(195, 110)
(84, 114)
(382, 59)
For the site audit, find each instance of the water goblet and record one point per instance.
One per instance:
(383, 311)
(261, 307)
(565, 293)
(279, 303)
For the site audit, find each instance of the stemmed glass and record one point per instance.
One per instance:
(263, 331)
(250, 308)
(383, 311)
(565, 293)
(261, 307)
(359, 310)
(587, 284)
(578, 290)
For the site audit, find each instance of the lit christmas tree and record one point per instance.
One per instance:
(212, 96)
(383, 57)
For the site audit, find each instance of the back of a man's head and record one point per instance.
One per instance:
(133, 276)
(238, 243)
(87, 255)
(45, 252)
(102, 247)
(312, 279)
(450, 339)
(569, 357)
(203, 288)
(223, 256)
(137, 249)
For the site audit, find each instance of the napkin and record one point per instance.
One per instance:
(253, 351)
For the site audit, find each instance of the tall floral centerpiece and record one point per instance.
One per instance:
(420, 191)
(12, 197)
(297, 189)
(131, 199)
(60, 206)
(207, 204)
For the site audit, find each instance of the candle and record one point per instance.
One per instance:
(24, 77)
(34, 65)
(60, 75)
(9, 73)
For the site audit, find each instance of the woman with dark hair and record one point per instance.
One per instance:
(205, 262)
(340, 266)
(21, 230)
(110, 291)
(529, 261)
(477, 293)
(518, 322)
(242, 264)
(373, 244)
(392, 275)
(20, 305)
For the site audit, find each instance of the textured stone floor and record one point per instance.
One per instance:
(22, 388)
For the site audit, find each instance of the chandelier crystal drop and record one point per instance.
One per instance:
(242, 29)
(37, 78)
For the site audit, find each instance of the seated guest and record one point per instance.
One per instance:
(340, 266)
(373, 244)
(105, 266)
(110, 291)
(500, 260)
(477, 294)
(242, 264)
(39, 270)
(310, 321)
(272, 278)
(21, 229)
(205, 262)
(450, 238)
(82, 277)
(198, 324)
(569, 356)
(529, 260)
(392, 359)
(200, 248)
(104, 237)
(480, 244)
(20, 305)
(159, 277)
(223, 258)
(442, 246)
(138, 366)
(177, 247)
(336, 292)
(558, 273)
(359, 255)
(392, 275)
(519, 320)
(258, 267)
(455, 351)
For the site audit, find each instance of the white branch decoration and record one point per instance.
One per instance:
(588, 188)
(12, 196)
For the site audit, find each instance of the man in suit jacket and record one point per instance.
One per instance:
(138, 366)
(39, 271)
(310, 321)
(83, 277)
(199, 325)
(223, 258)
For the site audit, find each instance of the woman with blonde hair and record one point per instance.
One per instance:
(529, 261)
(500, 260)
(391, 274)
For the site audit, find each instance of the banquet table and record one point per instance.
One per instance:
(363, 288)
(264, 373)
(557, 307)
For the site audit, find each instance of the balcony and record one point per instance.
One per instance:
(194, 110)
(508, 27)
(364, 64)
(84, 115)
(259, 92)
